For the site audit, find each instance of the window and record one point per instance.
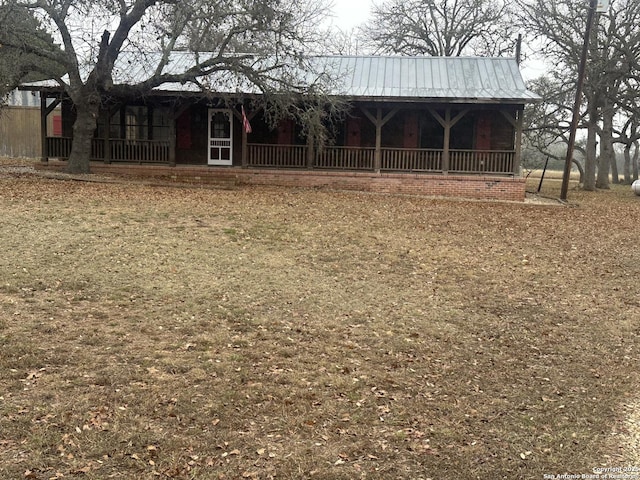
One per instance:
(220, 126)
(137, 123)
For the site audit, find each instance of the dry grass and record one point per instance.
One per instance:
(154, 332)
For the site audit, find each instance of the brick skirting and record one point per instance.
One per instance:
(463, 186)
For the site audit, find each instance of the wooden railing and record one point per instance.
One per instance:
(286, 156)
(391, 159)
(474, 161)
(297, 156)
(138, 151)
(58, 147)
(411, 159)
(345, 158)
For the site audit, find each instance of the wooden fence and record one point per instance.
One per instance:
(20, 132)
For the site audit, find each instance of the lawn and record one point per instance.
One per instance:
(190, 333)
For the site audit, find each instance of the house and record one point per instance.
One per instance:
(432, 125)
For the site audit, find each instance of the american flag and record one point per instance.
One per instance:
(245, 122)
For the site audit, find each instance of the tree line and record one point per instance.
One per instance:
(266, 43)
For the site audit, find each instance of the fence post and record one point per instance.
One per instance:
(43, 127)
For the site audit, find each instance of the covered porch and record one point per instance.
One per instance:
(433, 139)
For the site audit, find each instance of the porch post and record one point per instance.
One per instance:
(245, 135)
(447, 122)
(245, 149)
(106, 114)
(377, 158)
(172, 140)
(43, 127)
(310, 153)
(379, 122)
(516, 122)
(447, 141)
(518, 152)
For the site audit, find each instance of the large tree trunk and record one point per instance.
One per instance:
(634, 163)
(607, 157)
(627, 164)
(83, 131)
(590, 154)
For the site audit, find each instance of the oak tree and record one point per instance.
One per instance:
(440, 27)
(261, 45)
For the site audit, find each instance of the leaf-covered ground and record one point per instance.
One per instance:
(160, 332)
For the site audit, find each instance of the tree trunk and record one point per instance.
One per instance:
(615, 175)
(627, 164)
(606, 148)
(634, 163)
(590, 154)
(607, 143)
(83, 132)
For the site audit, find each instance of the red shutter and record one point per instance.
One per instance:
(183, 131)
(483, 133)
(411, 130)
(57, 125)
(285, 132)
(354, 132)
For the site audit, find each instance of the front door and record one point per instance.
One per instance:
(220, 137)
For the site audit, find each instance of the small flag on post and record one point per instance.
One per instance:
(245, 122)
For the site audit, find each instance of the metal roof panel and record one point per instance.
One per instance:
(457, 79)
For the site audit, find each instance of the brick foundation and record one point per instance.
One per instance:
(462, 186)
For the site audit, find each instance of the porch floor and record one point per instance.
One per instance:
(494, 187)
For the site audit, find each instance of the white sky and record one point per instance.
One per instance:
(350, 13)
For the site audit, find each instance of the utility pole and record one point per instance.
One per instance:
(576, 105)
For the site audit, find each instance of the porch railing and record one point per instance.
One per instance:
(58, 147)
(391, 159)
(411, 159)
(490, 161)
(279, 156)
(345, 158)
(140, 151)
(136, 151)
(297, 156)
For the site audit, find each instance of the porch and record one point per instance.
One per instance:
(383, 159)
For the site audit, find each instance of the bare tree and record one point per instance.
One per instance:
(260, 44)
(440, 27)
(613, 57)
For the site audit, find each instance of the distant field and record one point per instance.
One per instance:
(155, 332)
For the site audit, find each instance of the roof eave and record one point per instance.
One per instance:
(455, 100)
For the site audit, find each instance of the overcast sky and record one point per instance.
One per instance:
(350, 13)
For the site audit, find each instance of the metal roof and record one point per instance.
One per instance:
(371, 78)
(433, 78)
